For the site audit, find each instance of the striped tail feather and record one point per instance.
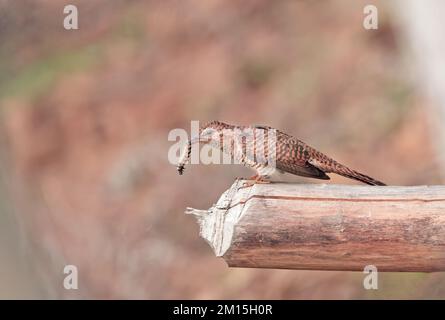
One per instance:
(352, 174)
(335, 167)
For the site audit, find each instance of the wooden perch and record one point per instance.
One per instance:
(328, 227)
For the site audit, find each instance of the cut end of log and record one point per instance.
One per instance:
(217, 223)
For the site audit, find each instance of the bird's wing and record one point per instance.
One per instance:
(293, 157)
(304, 169)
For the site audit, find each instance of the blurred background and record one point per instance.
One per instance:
(84, 175)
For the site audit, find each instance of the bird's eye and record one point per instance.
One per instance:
(205, 132)
(208, 132)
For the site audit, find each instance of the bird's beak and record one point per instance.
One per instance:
(202, 139)
(195, 140)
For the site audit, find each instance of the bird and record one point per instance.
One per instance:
(278, 151)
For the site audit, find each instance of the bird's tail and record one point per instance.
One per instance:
(330, 165)
(352, 174)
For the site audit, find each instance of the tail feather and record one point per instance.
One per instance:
(335, 167)
(352, 174)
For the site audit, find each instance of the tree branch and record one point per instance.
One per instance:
(328, 227)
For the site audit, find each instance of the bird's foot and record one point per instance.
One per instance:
(254, 180)
(247, 184)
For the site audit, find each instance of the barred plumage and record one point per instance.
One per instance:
(265, 150)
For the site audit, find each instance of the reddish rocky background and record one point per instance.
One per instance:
(85, 115)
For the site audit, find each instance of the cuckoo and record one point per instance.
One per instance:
(267, 150)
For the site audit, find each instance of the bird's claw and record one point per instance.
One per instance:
(251, 182)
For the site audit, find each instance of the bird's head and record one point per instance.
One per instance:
(213, 131)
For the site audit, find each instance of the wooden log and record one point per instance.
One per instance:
(328, 227)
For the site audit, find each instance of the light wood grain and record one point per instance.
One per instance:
(328, 227)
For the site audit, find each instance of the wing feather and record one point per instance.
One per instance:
(292, 157)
